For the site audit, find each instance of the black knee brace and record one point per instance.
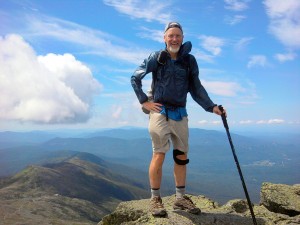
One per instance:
(177, 152)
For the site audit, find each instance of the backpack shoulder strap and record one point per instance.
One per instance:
(161, 57)
(187, 63)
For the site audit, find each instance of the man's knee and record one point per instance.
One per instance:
(158, 157)
(178, 161)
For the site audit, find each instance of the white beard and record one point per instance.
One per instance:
(173, 50)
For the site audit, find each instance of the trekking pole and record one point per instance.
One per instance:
(237, 163)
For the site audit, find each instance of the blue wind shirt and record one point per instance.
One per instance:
(175, 114)
(173, 81)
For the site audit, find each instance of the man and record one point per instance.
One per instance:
(175, 73)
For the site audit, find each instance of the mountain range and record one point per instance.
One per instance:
(84, 175)
(79, 188)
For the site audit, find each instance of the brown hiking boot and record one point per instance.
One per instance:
(186, 204)
(156, 207)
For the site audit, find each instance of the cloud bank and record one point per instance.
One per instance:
(43, 89)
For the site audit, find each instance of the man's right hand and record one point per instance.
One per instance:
(152, 106)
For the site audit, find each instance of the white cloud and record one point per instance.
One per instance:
(243, 43)
(203, 122)
(212, 44)
(228, 89)
(155, 35)
(284, 21)
(149, 10)
(271, 121)
(236, 5)
(200, 55)
(43, 89)
(246, 121)
(285, 57)
(263, 163)
(216, 122)
(257, 60)
(93, 41)
(117, 112)
(276, 121)
(233, 20)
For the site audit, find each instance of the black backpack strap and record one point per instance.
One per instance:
(186, 63)
(161, 57)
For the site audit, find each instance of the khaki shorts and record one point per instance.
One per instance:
(163, 131)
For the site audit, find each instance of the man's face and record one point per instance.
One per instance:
(173, 38)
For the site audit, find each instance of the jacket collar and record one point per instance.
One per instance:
(184, 50)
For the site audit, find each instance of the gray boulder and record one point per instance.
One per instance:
(281, 198)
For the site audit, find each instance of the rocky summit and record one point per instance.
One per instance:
(280, 204)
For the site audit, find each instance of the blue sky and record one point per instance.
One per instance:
(68, 63)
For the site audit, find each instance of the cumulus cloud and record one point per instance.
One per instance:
(284, 21)
(43, 89)
(149, 10)
(257, 60)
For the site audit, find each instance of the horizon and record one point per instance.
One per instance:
(67, 64)
(267, 132)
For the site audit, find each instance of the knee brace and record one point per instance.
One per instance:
(176, 152)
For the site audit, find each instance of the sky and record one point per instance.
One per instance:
(66, 64)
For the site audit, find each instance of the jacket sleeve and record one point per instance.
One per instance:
(148, 65)
(197, 91)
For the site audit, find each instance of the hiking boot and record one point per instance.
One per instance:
(156, 207)
(186, 204)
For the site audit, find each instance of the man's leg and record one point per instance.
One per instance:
(180, 171)
(155, 176)
(159, 132)
(155, 170)
(182, 201)
(180, 176)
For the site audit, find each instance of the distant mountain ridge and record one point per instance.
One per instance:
(78, 179)
(212, 170)
(83, 176)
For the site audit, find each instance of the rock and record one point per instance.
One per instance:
(279, 206)
(137, 212)
(237, 205)
(281, 198)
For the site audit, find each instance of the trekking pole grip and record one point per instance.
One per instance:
(223, 117)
